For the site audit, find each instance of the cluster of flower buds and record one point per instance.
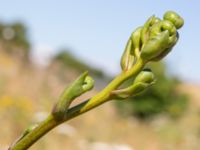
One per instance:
(153, 41)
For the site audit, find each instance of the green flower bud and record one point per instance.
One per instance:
(132, 90)
(162, 55)
(127, 59)
(89, 84)
(146, 28)
(144, 79)
(156, 29)
(146, 76)
(136, 39)
(142, 82)
(155, 20)
(162, 50)
(174, 18)
(155, 46)
(162, 26)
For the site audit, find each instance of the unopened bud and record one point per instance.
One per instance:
(136, 38)
(142, 82)
(155, 46)
(145, 76)
(174, 18)
(145, 29)
(162, 55)
(155, 20)
(127, 59)
(162, 26)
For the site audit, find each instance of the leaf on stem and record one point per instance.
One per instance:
(81, 85)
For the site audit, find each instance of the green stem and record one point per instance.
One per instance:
(75, 111)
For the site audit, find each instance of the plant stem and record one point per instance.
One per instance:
(50, 122)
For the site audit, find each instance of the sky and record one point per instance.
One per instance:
(97, 31)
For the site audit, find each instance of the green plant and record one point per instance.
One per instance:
(161, 98)
(150, 42)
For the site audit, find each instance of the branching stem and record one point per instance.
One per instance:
(50, 122)
(151, 42)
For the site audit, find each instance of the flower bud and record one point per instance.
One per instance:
(136, 39)
(127, 59)
(162, 26)
(88, 84)
(162, 55)
(155, 20)
(142, 81)
(146, 76)
(145, 29)
(174, 18)
(155, 46)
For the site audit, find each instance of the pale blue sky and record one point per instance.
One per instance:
(97, 31)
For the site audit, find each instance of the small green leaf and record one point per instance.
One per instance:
(81, 85)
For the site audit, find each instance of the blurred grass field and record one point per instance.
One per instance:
(27, 94)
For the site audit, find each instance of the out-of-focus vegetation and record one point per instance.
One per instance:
(67, 60)
(160, 98)
(14, 39)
